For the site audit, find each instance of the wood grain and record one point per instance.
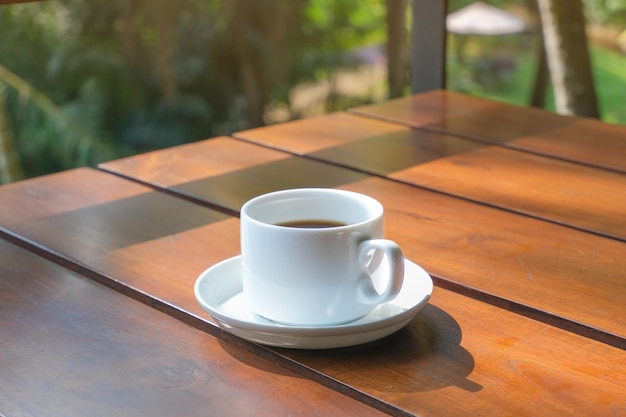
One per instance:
(579, 196)
(554, 269)
(520, 259)
(71, 347)
(371, 145)
(459, 356)
(586, 141)
(228, 172)
(323, 132)
(119, 228)
(564, 192)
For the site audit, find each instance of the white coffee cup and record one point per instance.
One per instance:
(314, 276)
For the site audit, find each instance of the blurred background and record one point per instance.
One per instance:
(84, 81)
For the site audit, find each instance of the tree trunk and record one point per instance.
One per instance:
(397, 48)
(164, 14)
(251, 28)
(568, 59)
(10, 168)
(129, 36)
(538, 96)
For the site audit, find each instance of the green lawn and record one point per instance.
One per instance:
(609, 69)
(610, 76)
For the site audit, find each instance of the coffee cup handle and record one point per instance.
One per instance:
(367, 293)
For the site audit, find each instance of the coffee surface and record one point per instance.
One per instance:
(311, 224)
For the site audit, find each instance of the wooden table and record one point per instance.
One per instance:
(517, 214)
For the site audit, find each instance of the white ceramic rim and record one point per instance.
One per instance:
(371, 202)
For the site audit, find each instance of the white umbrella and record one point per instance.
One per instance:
(482, 19)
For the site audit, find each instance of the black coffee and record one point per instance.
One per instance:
(312, 224)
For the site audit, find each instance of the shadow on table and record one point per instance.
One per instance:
(116, 224)
(395, 152)
(425, 355)
(232, 189)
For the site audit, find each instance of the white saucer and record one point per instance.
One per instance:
(219, 292)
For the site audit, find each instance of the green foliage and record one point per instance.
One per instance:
(611, 12)
(344, 25)
(609, 76)
(116, 78)
(52, 139)
(91, 80)
(610, 79)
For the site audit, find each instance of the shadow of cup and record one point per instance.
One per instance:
(425, 355)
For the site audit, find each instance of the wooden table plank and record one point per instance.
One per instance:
(544, 266)
(374, 146)
(570, 194)
(71, 347)
(468, 358)
(227, 170)
(459, 355)
(553, 269)
(564, 192)
(582, 140)
(119, 227)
